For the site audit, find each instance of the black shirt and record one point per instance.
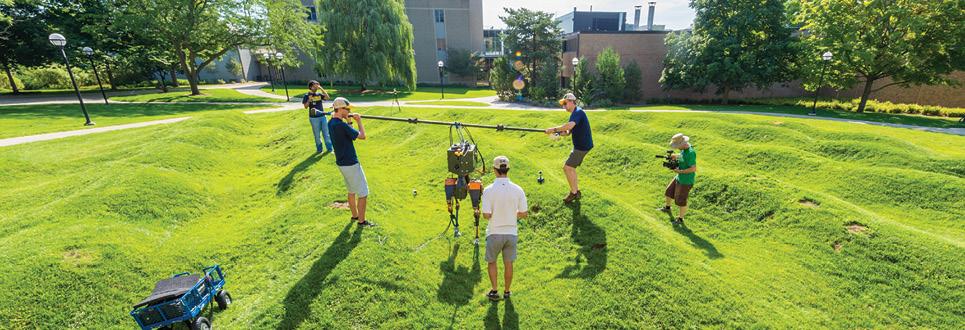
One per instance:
(314, 100)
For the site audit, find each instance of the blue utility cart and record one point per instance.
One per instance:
(182, 298)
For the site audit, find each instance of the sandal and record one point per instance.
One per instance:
(506, 294)
(366, 223)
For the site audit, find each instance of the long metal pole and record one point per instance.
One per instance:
(285, 81)
(270, 76)
(98, 77)
(451, 123)
(76, 90)
(442, 84)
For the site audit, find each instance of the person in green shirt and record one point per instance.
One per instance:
(679, 188)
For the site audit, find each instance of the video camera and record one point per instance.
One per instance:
(669, 161)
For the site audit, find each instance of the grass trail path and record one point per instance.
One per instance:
(60, 135)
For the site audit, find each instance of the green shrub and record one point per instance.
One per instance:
(501, 78)
(42, 77)
(610, 75)
(872, 106)
(5, 83)
(582, 84)
(220, 81)
(633, 77)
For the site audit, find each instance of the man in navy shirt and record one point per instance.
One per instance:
(343, 137)
(313, 102)
(579, 127)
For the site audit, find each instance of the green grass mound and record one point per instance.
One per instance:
(207, 95)
(793, 224)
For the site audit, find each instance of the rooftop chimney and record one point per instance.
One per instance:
(650, 15)
(636, 17)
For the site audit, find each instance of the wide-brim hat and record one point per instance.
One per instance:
(679, 140)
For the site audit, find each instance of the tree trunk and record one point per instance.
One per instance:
(193, 81)
(13, 84)
(726, 95)
(110, 76)
(174, 77)
(160, 81)
(865, 94)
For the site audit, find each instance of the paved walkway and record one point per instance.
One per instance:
(60, 135)
(255, 90)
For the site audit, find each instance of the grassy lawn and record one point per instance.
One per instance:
(21, 120)
(87, 90)
(794, 223)
(454, 103)
(919, 120)
(207, 95)
(421, 93)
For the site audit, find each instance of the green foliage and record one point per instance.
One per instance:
(369, 40)
(536, 35)
(610, 78)
(54, 76)
(460, 62)
(5, 82)
(633, 77)
(234, 66)
(582, 83)
(546, 87)
(501, 78)
(912, 42)
(734, 45)
(870, 106)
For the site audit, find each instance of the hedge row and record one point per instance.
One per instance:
(871, 106)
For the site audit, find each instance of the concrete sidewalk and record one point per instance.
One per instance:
(60, 135)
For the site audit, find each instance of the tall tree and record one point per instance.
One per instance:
(734, 44)
(199, 32)
(371, 40)
(912, 42)
(23, 38)
(536, 36)
(610, 78)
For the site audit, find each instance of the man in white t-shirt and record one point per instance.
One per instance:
(502, 203)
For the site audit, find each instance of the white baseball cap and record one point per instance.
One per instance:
(501, 162)
(341, 102)
(568, 97)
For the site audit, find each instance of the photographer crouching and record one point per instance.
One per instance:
(679, 189)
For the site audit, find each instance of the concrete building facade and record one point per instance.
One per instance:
(439, 25)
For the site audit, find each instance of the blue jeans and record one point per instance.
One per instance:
(319, 125)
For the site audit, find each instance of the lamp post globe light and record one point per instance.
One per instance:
(271, 77)
(284, 80)
(442, 84)
(826, 57)
(58, 40)
(575, 62)
(90, 56)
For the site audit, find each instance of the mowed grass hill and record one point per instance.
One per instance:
(794, 224)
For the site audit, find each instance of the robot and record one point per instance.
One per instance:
(464, 160)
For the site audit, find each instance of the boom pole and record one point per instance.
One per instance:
(498, 127)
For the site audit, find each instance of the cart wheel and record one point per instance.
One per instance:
(224, 299)
(201, 323)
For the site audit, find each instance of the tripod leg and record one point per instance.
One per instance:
(455, 219)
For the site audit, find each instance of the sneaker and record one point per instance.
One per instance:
(665, 209)
(366, 223)
(356, 219)
(572, 197)
(679, 221)
(506, 294)
(493, 295)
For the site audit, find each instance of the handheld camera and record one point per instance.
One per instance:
(669, 161)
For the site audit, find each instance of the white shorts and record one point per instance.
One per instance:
(355, 180)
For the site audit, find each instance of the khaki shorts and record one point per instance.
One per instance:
(355, 180)
(505, 244)
(576, 158)
(679, 192)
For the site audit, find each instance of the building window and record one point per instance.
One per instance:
(312, 14)
(441, 44)
(440, 15)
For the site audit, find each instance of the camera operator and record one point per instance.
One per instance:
(679, 189)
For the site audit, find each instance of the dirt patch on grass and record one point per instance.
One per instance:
(809, 203)
(77, 257)
(778, 123)
(856, 228)
(837, 246)
(342, 205)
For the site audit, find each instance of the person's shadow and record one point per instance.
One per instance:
(709, 249)
(286, 182)
(510, 317)
(592, 256)
(458, 282)
(303, 293)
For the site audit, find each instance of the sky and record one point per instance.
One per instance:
(675, 14)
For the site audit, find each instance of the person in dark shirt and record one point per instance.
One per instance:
(579, 127)
(313, 102)
(343, 139)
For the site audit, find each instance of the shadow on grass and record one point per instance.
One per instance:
(458, 282)
(286, 182)
(592, 257)
(510, 317)
(303, 293)
(709, 249)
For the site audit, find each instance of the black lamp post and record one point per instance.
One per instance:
(826, 57)
(575, 62)
(90, 56)
(284, 80)
(58, 40)
(442, 84)
(271, 77)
